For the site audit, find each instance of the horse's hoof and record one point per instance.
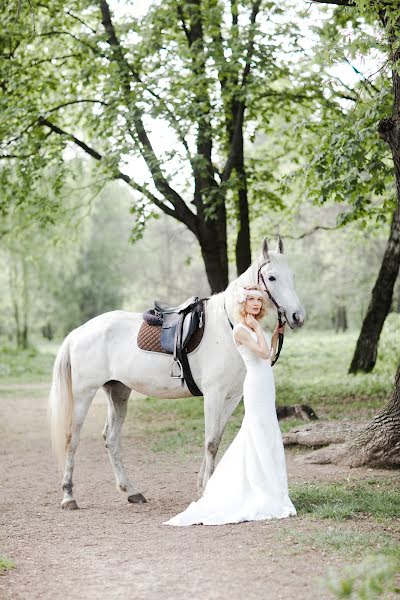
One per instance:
(69, 505)
(137, 499)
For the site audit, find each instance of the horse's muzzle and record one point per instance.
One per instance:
(298, 319)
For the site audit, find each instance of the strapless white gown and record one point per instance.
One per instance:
(250, 481)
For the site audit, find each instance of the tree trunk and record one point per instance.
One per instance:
(25, 304)
(389, 129)
(213, 244)
(13, 286)
(341, 319)
(364, 358)
(243, 247)
(377, 444)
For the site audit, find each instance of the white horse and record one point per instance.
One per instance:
(103, 353)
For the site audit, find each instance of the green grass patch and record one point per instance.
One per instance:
(5, 564)
(313, 370)
(359, 520)
(340, 539)
(373, 577)
(27, 366)
(343, 501)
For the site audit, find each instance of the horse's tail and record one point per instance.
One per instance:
(61, 402)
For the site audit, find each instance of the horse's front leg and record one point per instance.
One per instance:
(218, 407)
(117, 395)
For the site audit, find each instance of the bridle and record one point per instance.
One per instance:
(280, 309)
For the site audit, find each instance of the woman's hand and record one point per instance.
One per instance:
(252, 322)
(278, 330)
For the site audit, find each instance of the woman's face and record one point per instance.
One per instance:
(253, 305)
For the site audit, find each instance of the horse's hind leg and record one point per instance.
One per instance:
(82, 402)
(117, 395)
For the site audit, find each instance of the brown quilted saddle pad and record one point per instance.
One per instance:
(149, 338)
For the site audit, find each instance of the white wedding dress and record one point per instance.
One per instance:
(250, 481)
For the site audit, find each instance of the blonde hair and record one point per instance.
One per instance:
(239, 309)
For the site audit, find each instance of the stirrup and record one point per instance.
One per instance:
(176, 362)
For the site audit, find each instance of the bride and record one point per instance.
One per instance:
(250, 481)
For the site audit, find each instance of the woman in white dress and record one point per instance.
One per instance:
(250, 481)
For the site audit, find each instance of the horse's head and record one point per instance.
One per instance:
(275, 274)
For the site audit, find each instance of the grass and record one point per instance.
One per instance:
(343, 501)
(369, 579)
(33, 365)
(313, 370)
(5, 565)
(358, 520)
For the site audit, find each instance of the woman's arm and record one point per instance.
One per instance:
(260, 347)
(274, 339)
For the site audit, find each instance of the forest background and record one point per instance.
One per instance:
(74, 243)
(146, 149)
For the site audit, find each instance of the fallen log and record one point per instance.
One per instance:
(322, 433)
(300, 411)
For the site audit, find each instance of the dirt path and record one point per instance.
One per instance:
(111, 549)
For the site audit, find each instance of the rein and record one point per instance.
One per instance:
(280, 309)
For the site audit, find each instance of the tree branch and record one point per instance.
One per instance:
(240, 106)
(182, 212)
(74, 37)
(204, 173)
(55, 129)
(307, 233)
(71, 102)
(184, 26)
(350, 3)
(376, 89)
(46, 60)
(118, 174)
(70, 14)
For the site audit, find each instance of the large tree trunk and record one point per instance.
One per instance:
(364, 358)
(377, 444)
(213, 244)
(243, 248)
(389, 129)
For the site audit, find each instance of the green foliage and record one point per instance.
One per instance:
(25, 366)
(5, 565)
(367, 580)
(313, 370)
(343, 501)
(65, 86)
(352, 165)
(329, 149)
(389, 351)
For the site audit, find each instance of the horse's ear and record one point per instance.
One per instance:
(279, 245)
(264, 249)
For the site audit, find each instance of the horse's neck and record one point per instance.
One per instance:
(249, 277)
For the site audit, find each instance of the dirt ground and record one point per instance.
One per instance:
(111, 549)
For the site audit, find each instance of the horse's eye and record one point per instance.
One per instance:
(272, 278)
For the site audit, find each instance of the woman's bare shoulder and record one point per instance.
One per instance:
(241, 332)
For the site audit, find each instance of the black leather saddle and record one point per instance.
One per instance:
(178, 325)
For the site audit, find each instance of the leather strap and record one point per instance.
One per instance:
(181, 354)
(280, 309)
